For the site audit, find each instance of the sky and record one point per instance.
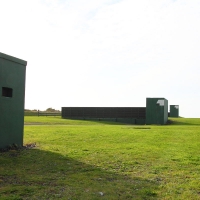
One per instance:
(105, 52)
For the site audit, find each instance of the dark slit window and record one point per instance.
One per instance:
(7, 92)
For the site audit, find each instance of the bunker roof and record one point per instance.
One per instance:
(13, 59)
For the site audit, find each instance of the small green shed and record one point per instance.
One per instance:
(12, 93)
(174, 111)
(156, 111)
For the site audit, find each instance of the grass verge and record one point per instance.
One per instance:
(90, 160)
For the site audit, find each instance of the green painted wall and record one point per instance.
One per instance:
(156, 111)
(12, 93)
(174, 111)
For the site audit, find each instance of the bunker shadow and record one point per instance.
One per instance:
(195, 122)
(38, 174)
(106, 121)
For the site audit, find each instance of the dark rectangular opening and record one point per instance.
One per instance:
(7, 92)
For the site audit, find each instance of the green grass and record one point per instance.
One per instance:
(99, 160)
(57, 120)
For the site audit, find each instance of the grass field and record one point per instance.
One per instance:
(99, 160)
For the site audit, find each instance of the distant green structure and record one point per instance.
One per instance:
(174, 111)
(156, 111)
(12, 93)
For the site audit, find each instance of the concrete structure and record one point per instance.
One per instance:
(132, 115)
(156, 111)
(12, 89)
(174, 111)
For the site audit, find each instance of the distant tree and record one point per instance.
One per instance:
(52, 110)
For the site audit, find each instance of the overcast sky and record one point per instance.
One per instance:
(105, 52)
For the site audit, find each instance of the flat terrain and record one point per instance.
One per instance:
(92, 160)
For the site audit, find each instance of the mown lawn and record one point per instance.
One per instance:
(95, 160)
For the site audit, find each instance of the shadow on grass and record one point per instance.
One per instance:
(184, 121)
(37, 174)
(106, 121)
(103, 121)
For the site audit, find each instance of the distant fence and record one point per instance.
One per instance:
(49, 114)
(29, 113)
(39, 113)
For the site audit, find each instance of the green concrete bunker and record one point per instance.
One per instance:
(155, 112)
(174, 110)
(12, 86)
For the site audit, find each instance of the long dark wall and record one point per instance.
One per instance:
(104, 112)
